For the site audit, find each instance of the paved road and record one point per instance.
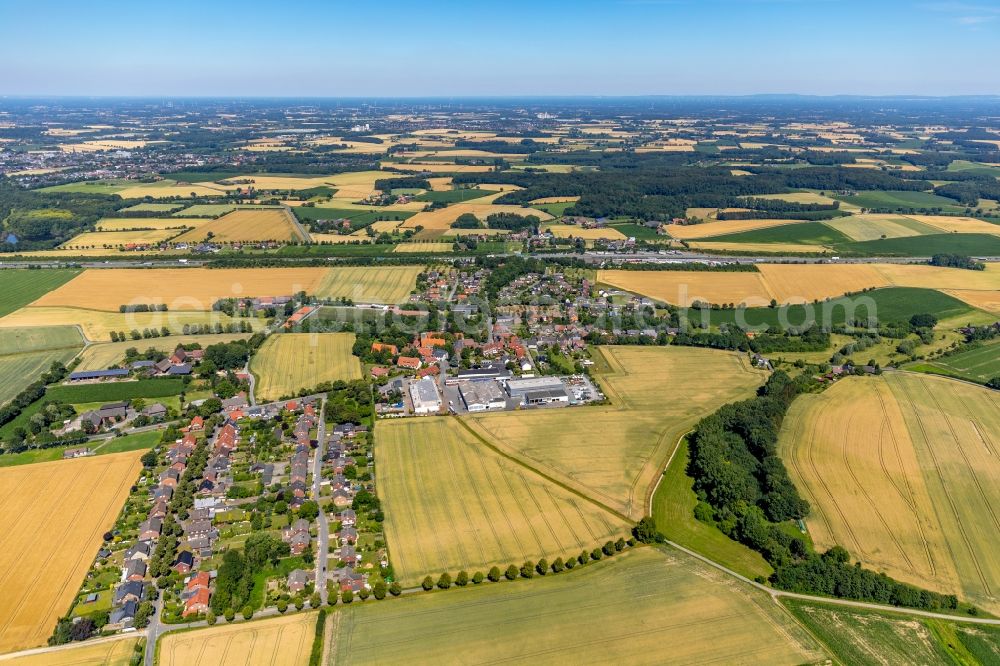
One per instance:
(323, 547)
(154, 631)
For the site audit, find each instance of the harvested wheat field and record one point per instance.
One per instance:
(289, 362)
(52, 516)
(113, 239)
(614, 453)
(107, 653)
(984, 300)
(107, 354)
(574, 231)
(246, 225)
(934, 277)
(180, 288)
(337, 239)
(417, 248)
(903, 470)
(872, 227)
(282, 641)
(166, 189)
(451, 503)
(648, 606)
(685, 287)
(128, 223)
(721, 227)
(369, 284)
(440, 183)
(380, 226)
(962, 225)
(97, 325)
(798, 197)
(804, 283)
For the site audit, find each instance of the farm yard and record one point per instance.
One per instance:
(282, 641)
(290, 362)
(107, 354)
(479, 509)
(614, 453)
(51, 535)
(903, 471)
(626, 610)
(246, 225)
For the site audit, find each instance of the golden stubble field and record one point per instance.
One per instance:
(246, 225)
(451, 503)
(614, 453)
(289, 362)
(198, 288)
(648, 606)
(108, 653)
(903, 470)
(574, 231)
(281, 641)
(52, 516)
(115, 239)
(803, 283)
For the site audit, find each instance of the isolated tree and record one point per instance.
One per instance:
(477, 577)
(494, 574)
(511, 572)
(427, 583)
(444, 582)
(462, 579)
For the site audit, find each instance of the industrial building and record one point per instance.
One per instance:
(482, 396)
(425, 397)
(538, 390)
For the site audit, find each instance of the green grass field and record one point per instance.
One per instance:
(978, 365)
(974, 167)
(39, 338)
(638, 231)
(807, 233)
(861, 637)
(18, 287)
(19, 370)
(113, 391)
(901, 200)
(673, 510)
(556, 209)
(144, 440)
(206, 210)
(454, 196)
(891, 305)
(91, 187)
(976, 245)
(646, 606)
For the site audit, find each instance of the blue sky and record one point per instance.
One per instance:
(514, 47)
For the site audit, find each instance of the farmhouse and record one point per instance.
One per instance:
(481, 396)
(425, 396)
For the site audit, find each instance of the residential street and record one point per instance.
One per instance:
(323, 548)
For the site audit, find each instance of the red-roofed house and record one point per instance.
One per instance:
(197, 602)
(381, 346)
(408, 362)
